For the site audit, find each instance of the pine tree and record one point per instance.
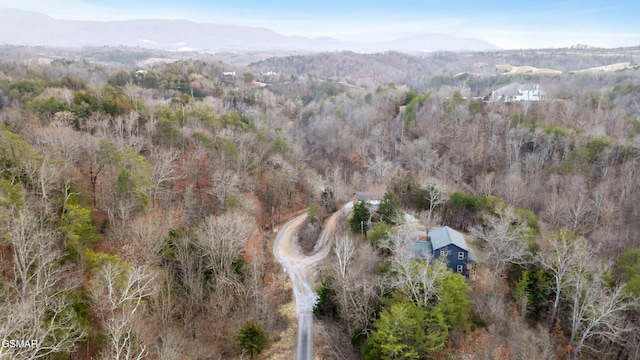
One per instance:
(390, 209)
(252, 338)
(325, 306)
(454, 301)
(405, 330)
(522, 294)
(360, 218)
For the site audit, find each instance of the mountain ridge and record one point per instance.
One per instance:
(21, 27)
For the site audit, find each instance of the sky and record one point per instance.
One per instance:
(515, 24)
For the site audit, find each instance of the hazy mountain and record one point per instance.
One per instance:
(434, 42)
(30, 28)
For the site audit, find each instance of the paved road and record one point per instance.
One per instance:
(297, 265)
(304, 343)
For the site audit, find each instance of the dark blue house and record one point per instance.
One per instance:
(447, 245)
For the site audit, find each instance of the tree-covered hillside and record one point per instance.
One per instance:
(138, 203)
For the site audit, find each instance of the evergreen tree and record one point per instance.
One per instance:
(325, 306)
(360, 218)
(390, 209)
(454, 301)
(407, 331)
(252, 338)
(521, 292)
(327, 200)
(628, 270)
(380, 232)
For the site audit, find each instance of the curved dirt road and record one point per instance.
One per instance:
(296, 264)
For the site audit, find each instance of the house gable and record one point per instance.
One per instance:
(448, 246)
(454, 257)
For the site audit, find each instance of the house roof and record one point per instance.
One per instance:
(510, 90)
(422, 249)
(472, 256)
(515, 89)
(529, 87)
(447, 236)
(439, 238)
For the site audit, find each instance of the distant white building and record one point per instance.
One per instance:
(141, 74)
(229, 73)
(517, 92)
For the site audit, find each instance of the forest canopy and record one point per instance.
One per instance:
(139, 204)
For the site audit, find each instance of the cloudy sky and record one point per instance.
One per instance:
(509, 24)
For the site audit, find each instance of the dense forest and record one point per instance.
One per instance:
(140, 195)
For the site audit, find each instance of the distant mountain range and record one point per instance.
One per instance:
(20, 27)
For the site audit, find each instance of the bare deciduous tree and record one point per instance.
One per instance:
(35, 257)
(192, 268)
(486, 184)
(357, 292)
(60, 143)
(380, 167)
(34, 304)
(119, 298)
(344, 250)
(578, 212)
(47, 319)
(560, 254)
(418, 279)
(225, 183)
(164, 168)
(144, 236)
(454, 173)
(517, 138)
(426, 153)
(599, 199)
(89, 146)
(222, 238)
(553, 213)
(514, 189)
(164, 303)
(170, 346)
(125, 128)
(436, 197)
(505, 242)
(597, 310)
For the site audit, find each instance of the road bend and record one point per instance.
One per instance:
(298, 265)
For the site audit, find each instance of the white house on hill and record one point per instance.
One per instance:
(517, 92)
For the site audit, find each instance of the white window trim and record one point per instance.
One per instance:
(459, 269)
(460, 255)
